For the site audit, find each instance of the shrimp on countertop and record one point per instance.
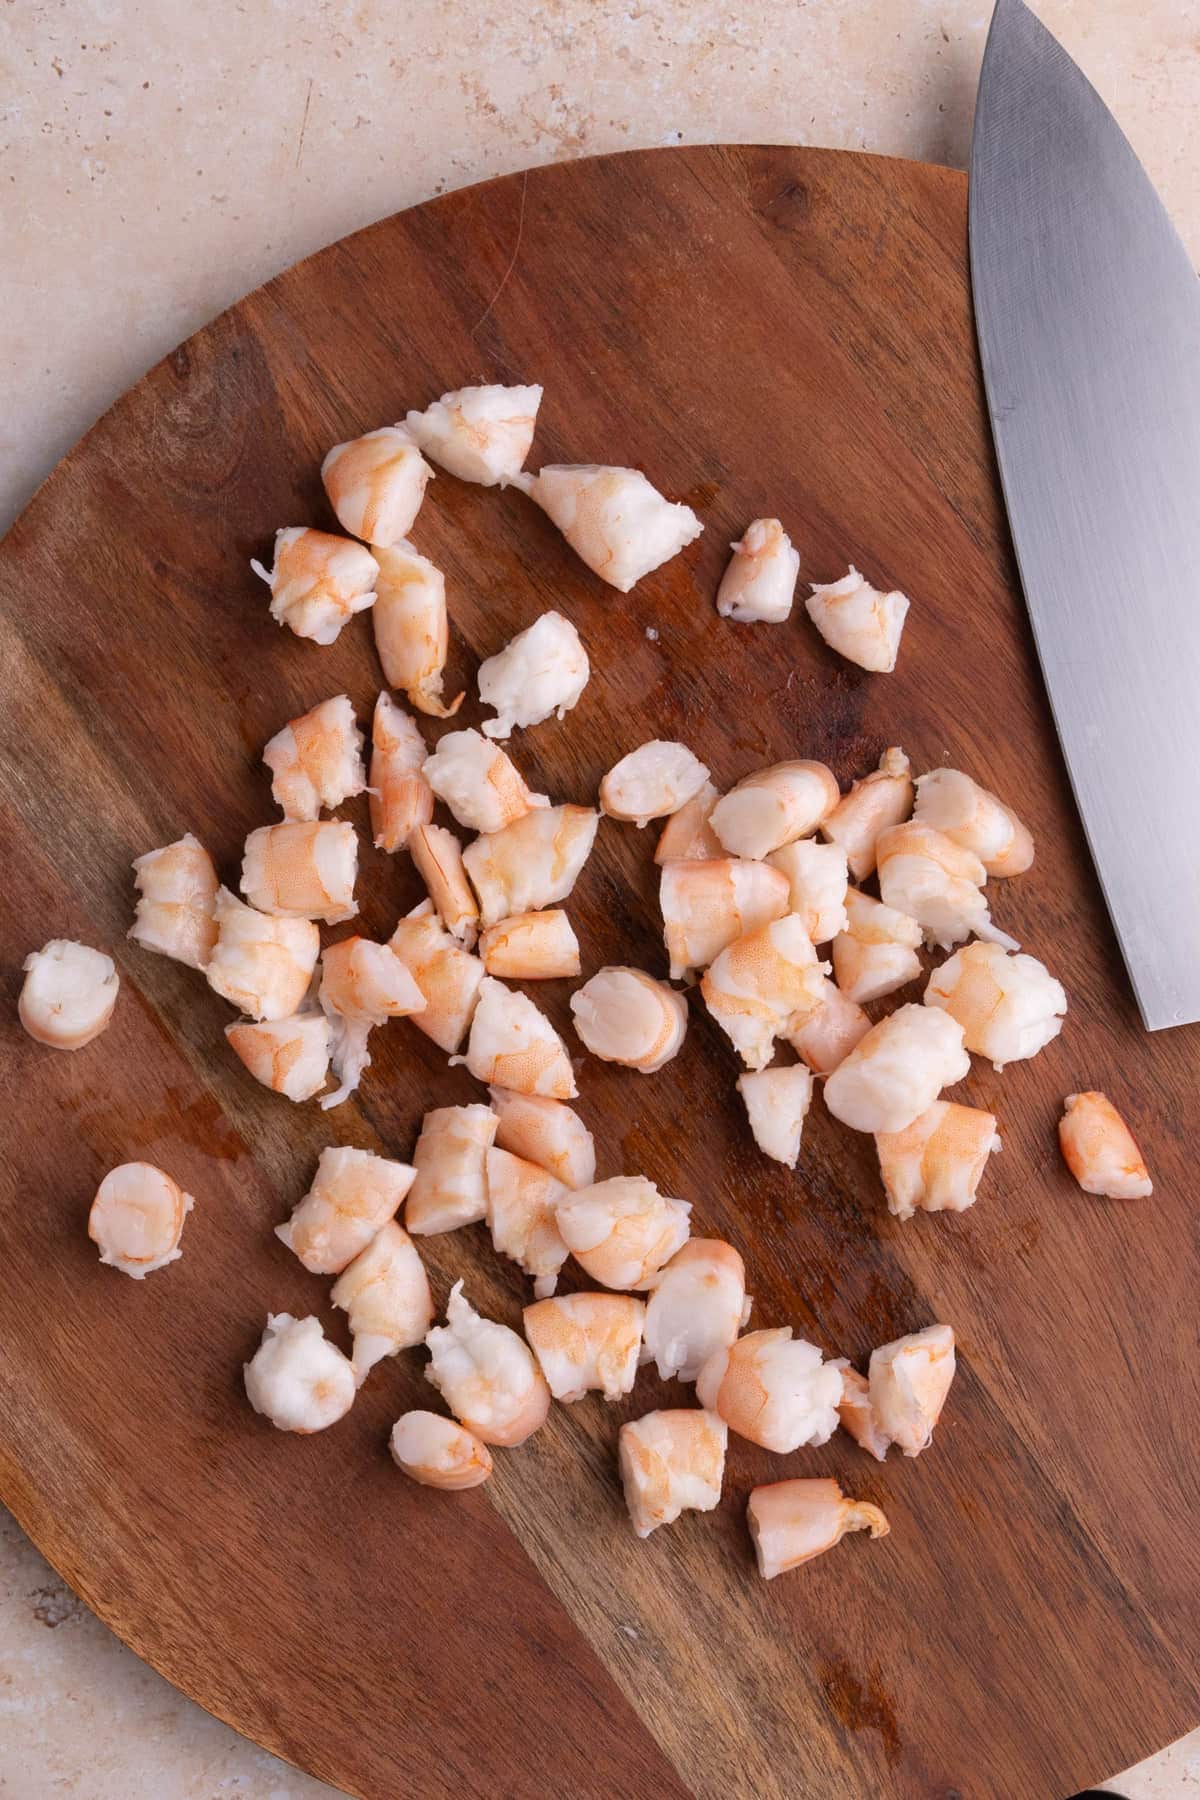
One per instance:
(546, 1132)
(908, 1383)
(1009, 1006)
(480, 434)
(883, 798)
(412, 632)
(289, 1056)
(384, 1292)
(318, 581)
(876, 953)
(936, 1164)
(773, 807)
(651, 782)
(672, 1461)
(530, 946)
(479, 782)
(793, 1521)
(487, 1374)
(362, 985)
(706, 905)
(625, 1016)
(302, 871)
(855, 1413)
(687, 835)
(968, 814)
(827, 1036)
(448, 976)
(858, 621)
(622, 1231)
(543, 670)
(897, 1071)
(774, 1389)
(818, 877)
(1099, 1149)
(586, 1343)
(450, 1159)
(762, 985)
(759, 583)
(695, 1307)
(68, 994)
(777, 1103)
(613, 519)
(522, 1203)
(297, 1378)
(137, 1218)
(399, 796)
(353, 1195)
(439, 1452)
(531, 864)
(513, 1044)
(376, 484)
(438, 857)
(177, 896)
(936, 882)
(316, 760)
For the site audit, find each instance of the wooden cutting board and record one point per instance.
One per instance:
(764, 331)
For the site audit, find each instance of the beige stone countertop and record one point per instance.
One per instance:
(158, 159)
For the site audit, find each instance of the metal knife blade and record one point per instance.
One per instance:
(1087, 310)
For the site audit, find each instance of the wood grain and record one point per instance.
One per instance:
(764, 331)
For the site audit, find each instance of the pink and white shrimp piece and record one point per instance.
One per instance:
(384, 1292)
(937, 1163)
(522, 1204)
(531, 946)
(759, 584)
(297, 1379)
(687, 835)
(1008, 1006)
(671, 1462)
(878, 950)
(438, 857)
(316, 761)
(855, 1413)
(971, 816)
(897, 1071)
(706, 905)
(793, 1521)
(261, 964)
(376, 484)
(531, 864)
(412, 629)
(136, 1220)
(818, 877)
(774, 1389)
(1099, 1149)
(318, 581)
(883, 798)
(177, 897)
(773, 807)
(762, 985)
(625, 1016)
(543, 670)
(652, 782)
(68, 994)
(479, 782)
(696, 1306)
(828, 1035)
(451, 1163)
(480, 434)
(546, 1132)
(613, 519)
(777, 1103)
(362, 985)
(438, 1452)
(936, 882)
(289, 1056)
(908, 1382)
(587, 1343)
(302, 871)
(486, 1374)
(353, 1195)
(448, 976)
(860, 622)
(399, 796)
(622, 1231)
(512, 1044)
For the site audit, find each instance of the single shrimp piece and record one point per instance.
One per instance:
(818, 878)
(587, 1343)
(777, 1103)
(937, 883)
(290, 1056)
(480, 434)
(625, 1016)
(773, 807)
(296, 1378)
(318, 581)
(412, 633)
(793, 1521)
(969, 815)
(543, 670)
(856, 1414)
(399, 796)
(486, 1374)
(546, 1132)
(376, 484)
(446, 974)
(760, 581)
(362, 985)
(531, 946)
(908, 1382)
(773, 1389)
(177, 895)
(622, 1231)
(687, 835)
(451, 1163)
(697, 1306)
(316, 760)
(531, 864)
(897, 1071)
(877, 952)
(522, 1200)
(883, 798)
(353, 1195)
(706, 905)
(828, 1035)
(613, 519)
(68, 994)
(137, 1218)
(858, 621)
(384, 1292)
(651, 782)
(261, 964)
(479, 782)
(1009, 1006)
(438, 856)
(1099, 1149)
(302, 871)
(762, 986)
(936, 1164)
(438, 1452)
(513, 1044)
(672, 1461)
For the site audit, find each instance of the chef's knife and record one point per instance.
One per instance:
(1088, 314)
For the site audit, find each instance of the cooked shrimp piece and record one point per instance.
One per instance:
(546, 1132)
(531, 946)
(480, 434)
(793, 1521)
(909, 1381)
(586, 1343)
(969, 815)
(316, 760)
(513, 1044)
(877, 952)
(858, 621)
(531, 864)
(773, 807)
(451, 1163)
(897, 1071)
(400, 798)
(1009, 1006)
(828, 1035)
(261, 964)
(936, 1164)
(625, 1016)
(763, 985)
(883, 798)
(446, 974)
(384, 1292)
(760, 582)
(137, 1218)
(818, 877)
(777, 1103)
(672, 1461)
(773, 1389)
(376, 484)
(439, 1452)
(937, 883)
(613, 519)
(362, 985)
(68, 994)
(353, 1195)
(543, 670)
(302, 871)
(177, 895)
(687, 835)
(856, 1414)
(479, 782)
(412, 633)
(706, 905)
(696, 1307)
(651, 782)
(296, 1378)
(438, 856)
(486, 1374)
(1099, 1149)
(290, 1056)
(622, 1231)
(522, 1200)
(319, 580)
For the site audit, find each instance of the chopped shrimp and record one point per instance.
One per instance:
(479, 782)
(384, 1292)
(937, 883)
(652, 782)
(297, 1378)
(450, 1159)
(318, 582)
(438, 1452)
(828, 1035)
(400, 797)
(613, 519)
(877, 952)
(316, 760)
(706, 905)
(353, 1195)
(412, 634)
(261, 964)
(446, 974)
(625, 1016)
(697, 1306)
(1099, 1149)
(687, 835)
(522, 1200)
(968, 814)
(622, 1231)
(897, 1071)
(883, 798)
(773, 807)
(546, 1132)
(760, 581)
(531, 946)
(362, 984)
(1009, 1006)
(672, 1461)
(773, 1389)
(68, 994)
(856, 1414)
(438, 856)
(763, 985)
(137, 1218)
(793, 1521)
(909, 1381)
(177, 893)
(513, 1044)
(376, 484)
(936, 1165)
(543, 670)
(586, 1343)
(290, 1056)
(486, 1374)
(532, 863)
(480, 434)
(777, 1103)
(302, 871)
(858, 621)
(819, 878)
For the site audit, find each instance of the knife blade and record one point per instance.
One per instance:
(1087, 311)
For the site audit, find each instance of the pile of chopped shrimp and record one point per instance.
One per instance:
(792, 907)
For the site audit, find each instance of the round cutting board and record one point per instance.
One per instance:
(764, 331)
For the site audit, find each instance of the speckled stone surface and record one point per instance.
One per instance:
(159, 159)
